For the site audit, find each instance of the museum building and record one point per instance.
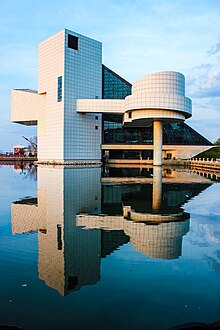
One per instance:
(83, 110)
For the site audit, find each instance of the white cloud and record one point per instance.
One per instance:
(215, 49)
(210, 87)
(203, 81)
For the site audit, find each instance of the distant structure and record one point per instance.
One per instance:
(18, 150)
(84, 110)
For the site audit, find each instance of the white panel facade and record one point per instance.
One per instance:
(160, 90)
(82, 80)
(79, 252)
(27, 106)
(100, 106)
(51, 66)
(161, 241)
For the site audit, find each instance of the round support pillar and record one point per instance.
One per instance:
(157, 189)
(158, 142)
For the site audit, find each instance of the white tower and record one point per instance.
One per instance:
(70, 67)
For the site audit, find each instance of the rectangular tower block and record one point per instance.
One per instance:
(70, 68)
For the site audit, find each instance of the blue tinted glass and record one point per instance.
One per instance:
(59, 89)
(178, 133)
(114, 86)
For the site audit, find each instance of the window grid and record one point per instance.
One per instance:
(59, 89)
(173, 134)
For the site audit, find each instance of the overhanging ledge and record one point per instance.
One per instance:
(27, 106)
(100, 106)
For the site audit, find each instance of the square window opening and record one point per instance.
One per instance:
(72, 42)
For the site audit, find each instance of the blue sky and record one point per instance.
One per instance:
(139, 37)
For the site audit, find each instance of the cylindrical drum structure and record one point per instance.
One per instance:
(157, 98)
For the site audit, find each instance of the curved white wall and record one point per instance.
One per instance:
(149, 114)
(161, 82)
(161, 91)
(159, 95)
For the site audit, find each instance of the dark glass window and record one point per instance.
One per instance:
(73, 42)
(182, 134)
(114, 86)
(59, 237)
(115, 133)
(179, 133)
(139, 197)
(72, 282)
(59, 89)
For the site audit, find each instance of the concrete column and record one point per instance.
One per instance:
(158, 142)
(157, 189)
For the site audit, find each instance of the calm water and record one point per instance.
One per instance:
(135, 249)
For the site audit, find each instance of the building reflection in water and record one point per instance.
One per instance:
(29, 170)
(81, 219)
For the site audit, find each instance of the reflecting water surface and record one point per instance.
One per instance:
(114, 248)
